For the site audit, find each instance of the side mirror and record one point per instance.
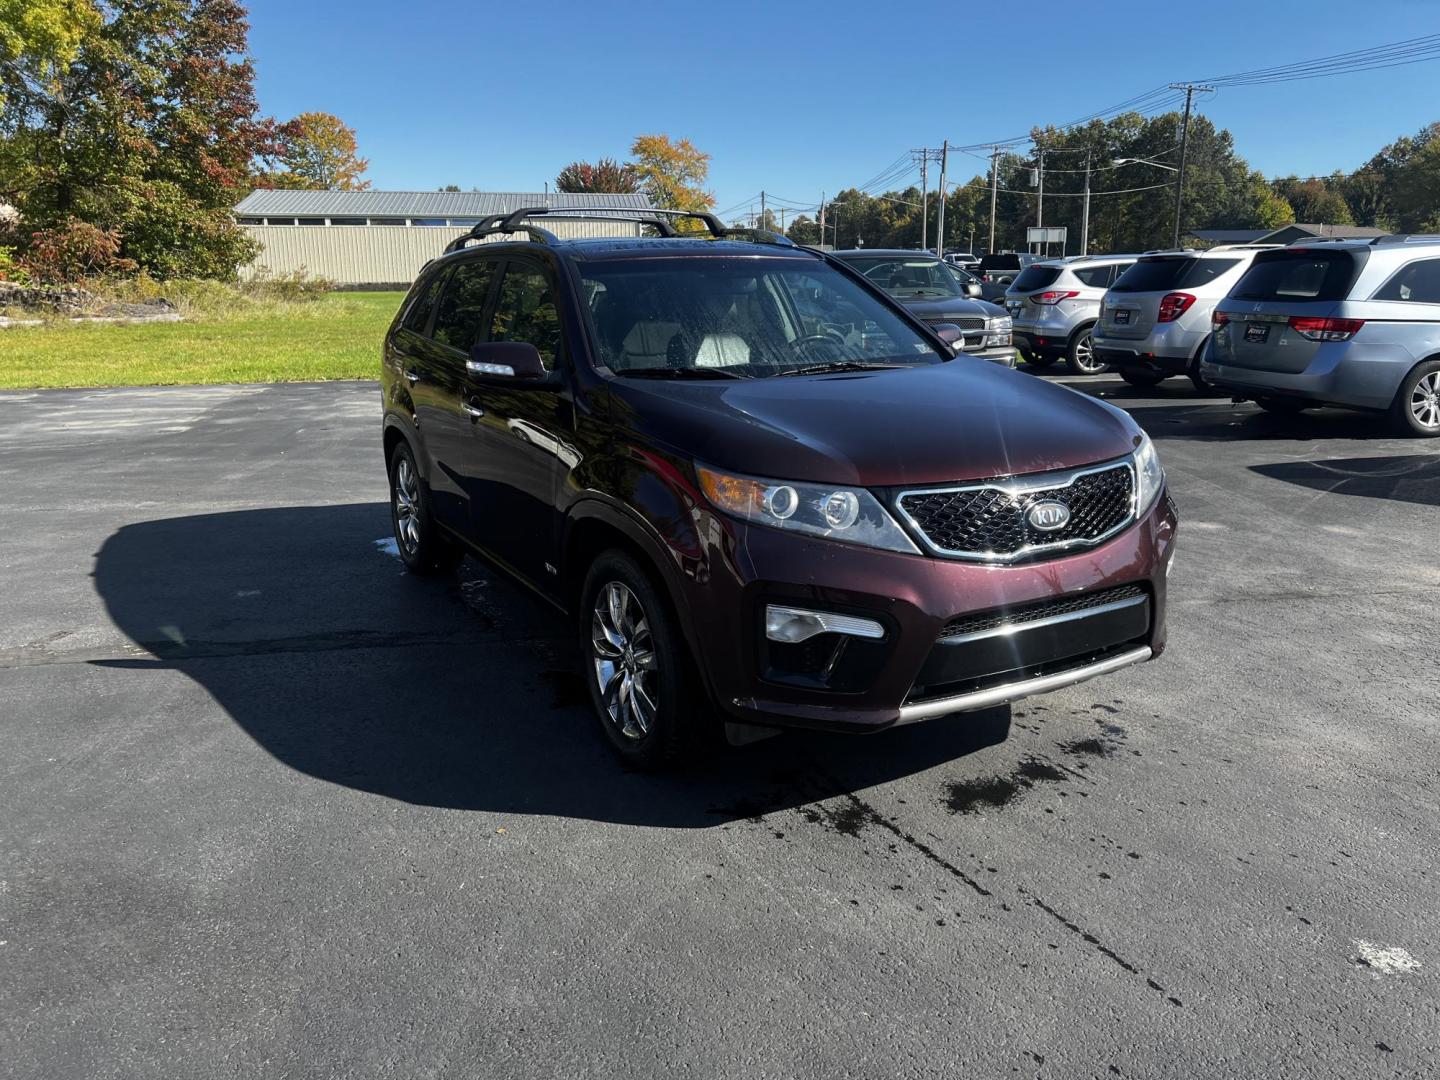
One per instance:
(506, 360)
(972, 289)
(950, 334)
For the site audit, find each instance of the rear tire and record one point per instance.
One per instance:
(1416, 409)
(1196, 379)
(1080, 355)
(1282, 406)
(636, 666)
(418, 540)
(1141, 378)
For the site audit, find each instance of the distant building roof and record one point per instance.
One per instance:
(274, 202)
(1228, 236)
(1354, 232)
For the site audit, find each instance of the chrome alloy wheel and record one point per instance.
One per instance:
(1425, 401)
(623, 656)
(407, 506)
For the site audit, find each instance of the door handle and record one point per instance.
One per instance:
(472, 410)
(411, 376)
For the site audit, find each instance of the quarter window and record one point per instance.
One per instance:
(1097, 277)
(1415, 283)
(457, 322)
(417, 319)
(526, 311)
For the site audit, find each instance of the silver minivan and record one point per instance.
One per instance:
(1353, 323)
(1155, 320)
(1054, 305)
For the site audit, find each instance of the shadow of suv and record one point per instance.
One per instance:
(758, 483)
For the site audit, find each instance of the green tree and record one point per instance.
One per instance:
(672, 172)
(318, 151)
(604, 177)
(1417, 190)
(1314, 201)
(804, 230)
(149, 134)
(39, 39)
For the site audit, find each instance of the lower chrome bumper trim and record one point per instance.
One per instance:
(1006, 692)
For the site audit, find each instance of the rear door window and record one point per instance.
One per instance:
(417, 319)
(1414, 283)
(1035, 277)
(1297, 275)
(457, 320)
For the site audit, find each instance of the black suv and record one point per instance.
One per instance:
(759, 483)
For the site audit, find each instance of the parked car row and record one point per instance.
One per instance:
(1354, 323)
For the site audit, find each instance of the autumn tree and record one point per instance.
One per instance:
(672, 172)
(39, 38)
(1314, 201)
(605, 177)
(147, 134)
(316, 150)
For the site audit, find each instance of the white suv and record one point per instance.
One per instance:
(1155, 320)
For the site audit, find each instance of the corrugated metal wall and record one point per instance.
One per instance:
(377, 254)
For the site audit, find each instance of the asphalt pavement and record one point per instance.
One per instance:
(272, 807)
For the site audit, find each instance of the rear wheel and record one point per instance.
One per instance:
(1080, 355)
(1141, 378)
(1283, 406)
(1416, 410)
(1196, 379)
(418, 540)
(636, 666)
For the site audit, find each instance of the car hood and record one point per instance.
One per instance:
(966, 419)
(948, 306)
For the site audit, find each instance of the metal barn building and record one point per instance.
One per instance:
(377, 239)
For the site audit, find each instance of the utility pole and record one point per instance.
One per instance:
(762, 209)
(994, 189)
(1040, 199)
(1085, 211)
(1190, 89)
(940, 214)
(924, 196)
(822, 219)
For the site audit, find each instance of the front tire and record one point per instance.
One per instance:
(1080, 355)
(1416, 409)
(418, 540)
(636, 665)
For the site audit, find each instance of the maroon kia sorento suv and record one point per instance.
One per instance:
(755, 481)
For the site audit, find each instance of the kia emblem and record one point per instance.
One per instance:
(1048, 515)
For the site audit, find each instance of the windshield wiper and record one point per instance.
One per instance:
(681, 373)
(837, 365)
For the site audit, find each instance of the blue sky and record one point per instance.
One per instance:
(800, 98)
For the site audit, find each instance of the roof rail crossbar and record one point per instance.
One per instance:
(1306, 241)
(499, 223)
(655, 217)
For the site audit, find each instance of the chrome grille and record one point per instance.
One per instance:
(988, 521)
(969, 625)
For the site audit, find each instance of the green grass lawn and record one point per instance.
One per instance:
(335, 337)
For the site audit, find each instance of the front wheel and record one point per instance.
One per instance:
(1416, 410)
(1080, 355)
(417, 538)
(636, 666)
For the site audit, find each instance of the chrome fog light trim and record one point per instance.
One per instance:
(790, 625)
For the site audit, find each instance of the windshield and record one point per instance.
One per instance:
(909, 278)
(745, 317)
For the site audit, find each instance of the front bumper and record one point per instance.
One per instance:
(913, 674)
(1004, 355)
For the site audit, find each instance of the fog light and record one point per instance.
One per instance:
(789, 625)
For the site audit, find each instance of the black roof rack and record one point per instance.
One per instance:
(1408, 238)
(515, 222)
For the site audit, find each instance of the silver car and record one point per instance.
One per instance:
(1353, 323)
(1155, 320)
(1055, 304)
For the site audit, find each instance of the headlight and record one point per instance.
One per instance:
(1149, 476)
(837, 513)
(997, 330)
